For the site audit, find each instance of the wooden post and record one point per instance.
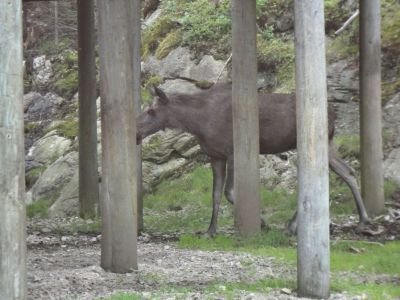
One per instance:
(136, 30)
(312, 146)
(12, 158)
(118, 116)
(245, 117)
(88, 173)
(370, 107)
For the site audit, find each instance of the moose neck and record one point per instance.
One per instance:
(187, 117)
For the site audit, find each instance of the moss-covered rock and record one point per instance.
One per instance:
(68, 128)
(153, 35)
(66, 74)
(170, 42)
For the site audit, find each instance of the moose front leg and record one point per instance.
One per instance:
(218, 168)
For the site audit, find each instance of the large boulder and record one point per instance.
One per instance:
(168, 154)
(279, 171)
(39, 108)
(67, 204)
(48, 148)
(391, 166)
(179, 62)
(343, 81)
(179, 85)
(391, 113)
(56, 176)
(42, 72)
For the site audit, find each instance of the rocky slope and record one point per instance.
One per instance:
(51, 119)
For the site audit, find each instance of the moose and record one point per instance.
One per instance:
(208, 116)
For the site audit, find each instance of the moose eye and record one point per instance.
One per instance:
(151, 112)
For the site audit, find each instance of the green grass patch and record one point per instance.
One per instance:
(30, 126)
(68, 128)
(373, 258)
(39, 208)
(184, 205)
(391, 25)
(33, 175)
(390, 187)
(81, 226)
(170, 42)
(348, 145)
(278, 206)
(276, 54)
(369, 290)
(153, 35)
(66, 74)
(125, 296)
(271, 243)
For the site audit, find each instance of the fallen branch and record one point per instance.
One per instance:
(356, 13)
(223, 68)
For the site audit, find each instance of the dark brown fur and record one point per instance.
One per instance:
(208, 116)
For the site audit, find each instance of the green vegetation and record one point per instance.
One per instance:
(33, 175)
(391, 25)
(68, 128)
(30, 126)
(125, 296)
(90, 226)
(39, 208)
(152, 36)
(66, 74)
(170, 42)
(348, 145)
(183, 205)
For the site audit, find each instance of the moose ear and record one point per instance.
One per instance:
(161, 95)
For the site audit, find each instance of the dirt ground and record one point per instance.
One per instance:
(67, 267)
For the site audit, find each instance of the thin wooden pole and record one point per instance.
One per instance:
(137, 95)
(312, 146)
(12, 158)
(118, 116)
(88, 164)
(370, 107)
(245, 118)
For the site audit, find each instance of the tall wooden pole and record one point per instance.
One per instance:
(118, 116)
(370, 107)
(312, 146)
(245, 117)
(136, 30)
(88, 173)
(12, 158)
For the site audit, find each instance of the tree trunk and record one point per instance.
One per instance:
(370, 107)
(88, 173)
(245, 118)
(12, 158)
(312, 147)
(118, 115)
(138, 101)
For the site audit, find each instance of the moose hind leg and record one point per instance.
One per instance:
(229, 181)
(346, 173)
(218, 168)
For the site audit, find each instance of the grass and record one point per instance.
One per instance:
(348, 145)
(68, 128)
(33, 175)
(39, 208)
(184, 205)
(90, 227)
